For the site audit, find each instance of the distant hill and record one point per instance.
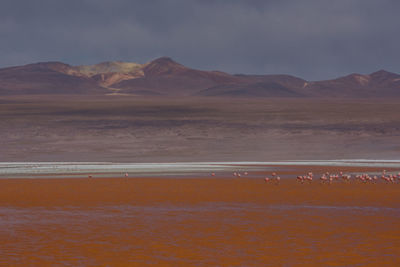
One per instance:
(165, 77)
(260, 86)
(377, 84)
(46, 78)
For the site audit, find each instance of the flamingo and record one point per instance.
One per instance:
(300, 179)
(213, 174)
(323, 178)
(346, 178)
(386, 178)
(359, 177)
(126, 174)
(266, 179)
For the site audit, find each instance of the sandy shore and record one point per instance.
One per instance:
(197, 221)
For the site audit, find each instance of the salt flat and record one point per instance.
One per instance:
(23, 169)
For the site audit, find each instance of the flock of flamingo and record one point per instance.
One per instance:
(364, 178)
(330, 178)
(324, 178)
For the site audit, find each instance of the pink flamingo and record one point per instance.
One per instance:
(266, 179)
(386, 178)
(213, 174)
(346, 178)
(300, 179)
(275, 178)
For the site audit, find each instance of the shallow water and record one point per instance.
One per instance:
(211, 234)
(196, 221)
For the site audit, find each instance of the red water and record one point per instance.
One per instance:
(204, 222)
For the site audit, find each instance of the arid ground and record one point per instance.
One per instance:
(150, 129)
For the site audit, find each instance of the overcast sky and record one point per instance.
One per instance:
(313, 39)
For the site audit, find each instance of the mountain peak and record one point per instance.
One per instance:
(163, 66)
(50, 65)
(383, 73)
(163, 60)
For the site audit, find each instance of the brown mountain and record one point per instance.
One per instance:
(46, 78)
(164, 76)
(378, 84)
(259, 85)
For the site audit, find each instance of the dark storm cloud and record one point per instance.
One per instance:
(314, 39)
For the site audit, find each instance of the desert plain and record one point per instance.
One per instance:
(128, 128)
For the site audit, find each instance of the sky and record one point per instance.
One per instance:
(312, 39)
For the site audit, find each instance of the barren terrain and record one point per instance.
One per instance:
(151, 129)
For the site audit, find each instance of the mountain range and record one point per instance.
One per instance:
(165, 77)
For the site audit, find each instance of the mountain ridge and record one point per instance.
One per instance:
(164, 76)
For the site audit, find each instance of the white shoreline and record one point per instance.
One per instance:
(48, 168)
